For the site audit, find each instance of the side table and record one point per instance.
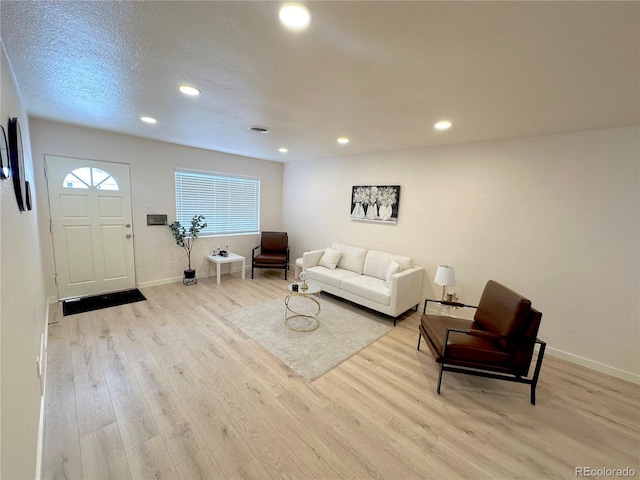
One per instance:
(219, 259)
(289, 313)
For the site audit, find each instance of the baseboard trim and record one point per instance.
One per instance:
(593, 365)
(51, 300)
(40, 440)
(166, 281)
(163, 281)
(43, 380)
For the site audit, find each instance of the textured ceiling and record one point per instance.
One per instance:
(381, 73)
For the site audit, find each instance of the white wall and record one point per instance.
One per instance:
(556, 218)
(152, 170)
(23, 306)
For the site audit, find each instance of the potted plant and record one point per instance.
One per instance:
(185, 238)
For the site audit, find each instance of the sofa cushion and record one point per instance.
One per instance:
(270, 258)
(367, 287)
(328, 276)
(273, 242)
(352, 257)
(330, 258)
(461, 346)
(394, 267)
(376, 263)
(502, 311)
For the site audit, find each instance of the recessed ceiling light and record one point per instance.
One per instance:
(294, 16)
(283, 150)
(343, 140)
(443, 125)
(148, 119)
(191, 91)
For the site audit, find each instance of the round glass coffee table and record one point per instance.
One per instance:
(305, 321)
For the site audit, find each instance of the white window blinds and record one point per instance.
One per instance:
(230, 205)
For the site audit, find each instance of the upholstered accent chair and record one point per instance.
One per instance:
(498, 343)
(273, 252)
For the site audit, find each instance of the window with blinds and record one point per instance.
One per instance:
(230, 205)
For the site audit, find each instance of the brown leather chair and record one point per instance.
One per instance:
(274, 252)
(498, 343)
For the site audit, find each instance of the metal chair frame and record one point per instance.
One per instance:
(481, 372)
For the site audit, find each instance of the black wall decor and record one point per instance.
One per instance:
(27, 192)
(4, 155)
(375, 203)
(17, 161)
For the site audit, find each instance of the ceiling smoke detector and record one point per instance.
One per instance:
(259, 129)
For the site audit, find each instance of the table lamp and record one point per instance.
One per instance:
(445, 277)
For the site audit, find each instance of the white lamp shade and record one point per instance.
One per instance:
(445, 276)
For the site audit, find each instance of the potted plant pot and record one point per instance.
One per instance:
(189, 277)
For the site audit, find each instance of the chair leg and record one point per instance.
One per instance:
(251, 272)
(419, 338)
(285, 272)
(440, 377)
(536, 373)
(533, 394)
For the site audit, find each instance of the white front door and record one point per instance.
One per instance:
(90, 205)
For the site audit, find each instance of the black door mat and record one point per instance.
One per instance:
(87, 304)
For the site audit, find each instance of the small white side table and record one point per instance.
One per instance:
(218, 260)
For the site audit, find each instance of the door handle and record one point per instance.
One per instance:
(128, 235)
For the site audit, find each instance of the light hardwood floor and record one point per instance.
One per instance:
(167, 388)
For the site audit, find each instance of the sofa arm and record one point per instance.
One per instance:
(406, 287)
(311, 258)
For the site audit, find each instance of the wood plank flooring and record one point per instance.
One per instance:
(167, 388)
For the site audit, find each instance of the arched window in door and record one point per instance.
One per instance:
(87, 177)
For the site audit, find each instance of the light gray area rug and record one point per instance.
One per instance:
(341, 334)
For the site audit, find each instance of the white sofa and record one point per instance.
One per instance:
(384, 282)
